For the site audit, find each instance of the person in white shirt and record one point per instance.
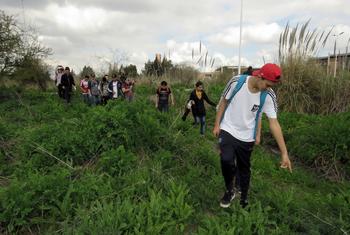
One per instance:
(114, 87)
(58, 75)
(236, 125)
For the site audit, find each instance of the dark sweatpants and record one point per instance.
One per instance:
(67, 94)
(60, 91)
(235, 155)
(163, 107)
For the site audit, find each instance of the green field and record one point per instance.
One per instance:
(127, 169)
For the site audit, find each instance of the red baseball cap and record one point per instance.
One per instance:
(271, 72)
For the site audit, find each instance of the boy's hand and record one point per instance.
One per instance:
(257, 141)
(285, 162)
(216, 131)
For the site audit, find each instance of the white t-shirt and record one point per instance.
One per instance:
(115, 89)
(58, 78)
(239, 118)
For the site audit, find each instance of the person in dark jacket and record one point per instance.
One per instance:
(115, 88)
(196, 101)
(104, 90)
(67, 82)
(249, 71)
(164, 94)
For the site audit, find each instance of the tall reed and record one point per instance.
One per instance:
(306, 87)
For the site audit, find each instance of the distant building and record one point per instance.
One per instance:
(231, 69)
(342, 60)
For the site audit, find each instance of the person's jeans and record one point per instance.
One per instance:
(86, 98)
(163, 107)
(95, 99)
(200, 120)
(60, 91)
(104, 100)
(67, 94)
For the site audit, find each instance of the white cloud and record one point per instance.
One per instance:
(71, 17)
(259, 33)
(80, 30)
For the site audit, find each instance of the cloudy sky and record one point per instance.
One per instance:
(96, 32)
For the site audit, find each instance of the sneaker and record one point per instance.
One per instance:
(244, 203)
(238, 190)
(226, 199)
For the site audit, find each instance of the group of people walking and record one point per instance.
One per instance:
(238, 118)
(195, 103)
(64, 82)
(93, 91)
(237, 124)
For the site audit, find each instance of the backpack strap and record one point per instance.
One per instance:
(242, 79)
(263, 95)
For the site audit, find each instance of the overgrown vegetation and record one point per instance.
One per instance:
(21, 54)
(306, 86)
(321, 142)
(126, 168)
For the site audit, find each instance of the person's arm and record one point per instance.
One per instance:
(276, 131)
(89, 87)
(100, 88)
(81, 86)
(171, 97)
(206, 98)
(125, 90)
(157, 97)
(110, 87)
(63, 81)
(72, 81)
(219, 113)
(258, 133)
(192, 97)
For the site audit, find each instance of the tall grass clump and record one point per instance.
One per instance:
(306, 87)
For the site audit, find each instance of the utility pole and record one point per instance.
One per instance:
(240, 39)
(335, 51)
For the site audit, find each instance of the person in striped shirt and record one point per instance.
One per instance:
(236, 126)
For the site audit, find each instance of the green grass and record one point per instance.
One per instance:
(137, 171)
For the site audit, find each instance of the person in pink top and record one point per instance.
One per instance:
(85, 91)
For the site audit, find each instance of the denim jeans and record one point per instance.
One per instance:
(163, 107)
(201, 120)
(86, 98)
(95, 100)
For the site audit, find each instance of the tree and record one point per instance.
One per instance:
(21, 52)
(148, 69)
(87, 70)
(33, 72)
(166, 65)
(10, 44)
(157, 68)
(131, 70)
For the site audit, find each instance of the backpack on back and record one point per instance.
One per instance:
(242, 79)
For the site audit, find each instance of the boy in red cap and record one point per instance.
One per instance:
(239, 112)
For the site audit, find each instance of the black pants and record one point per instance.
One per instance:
(235, 155)
(104, 100)
(67, 94)
(187, 111)
(163, 107)
(60, 91)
